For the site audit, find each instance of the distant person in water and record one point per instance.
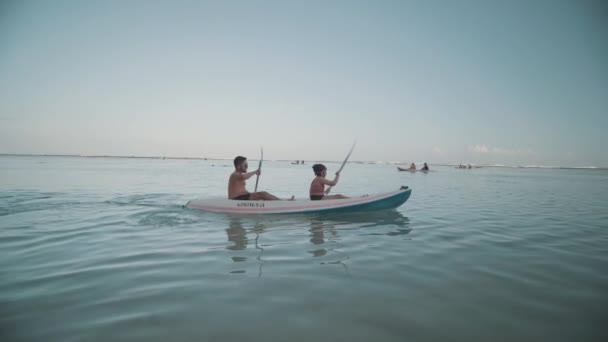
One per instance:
(236, 183)
(317, 187)
(412, 167)
(425, 167)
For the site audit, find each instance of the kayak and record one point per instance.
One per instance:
(388, 200)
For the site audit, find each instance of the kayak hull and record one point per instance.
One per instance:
(388, 200)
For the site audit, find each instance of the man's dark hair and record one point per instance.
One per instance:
(318, 168)
(239, 160)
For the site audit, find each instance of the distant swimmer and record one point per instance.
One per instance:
(236, 183)
(425, 167)
(317, 186)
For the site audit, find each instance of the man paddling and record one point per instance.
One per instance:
(236, 183)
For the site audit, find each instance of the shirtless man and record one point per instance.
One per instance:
(236, 183)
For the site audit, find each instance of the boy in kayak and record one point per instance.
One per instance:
(317, 187)
(425, 167)
(236, 183)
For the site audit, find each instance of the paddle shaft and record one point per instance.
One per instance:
(257, 179)
(342, 166)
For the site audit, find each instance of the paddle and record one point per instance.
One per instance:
(344, 163)
(259, 167)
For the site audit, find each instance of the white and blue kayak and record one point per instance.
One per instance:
(388, 200)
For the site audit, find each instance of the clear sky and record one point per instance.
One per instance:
(511, 82)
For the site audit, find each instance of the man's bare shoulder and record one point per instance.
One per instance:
(236, 175)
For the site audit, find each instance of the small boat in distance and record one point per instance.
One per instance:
(467, 167)
(411, 170)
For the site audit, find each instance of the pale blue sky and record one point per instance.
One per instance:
(512, 82)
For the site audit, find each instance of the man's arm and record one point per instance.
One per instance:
(247, 175)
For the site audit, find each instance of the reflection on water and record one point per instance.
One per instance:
(258, 229)
(237, 234)
(246, 232)
(317, 236)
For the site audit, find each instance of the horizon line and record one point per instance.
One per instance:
(377, 162)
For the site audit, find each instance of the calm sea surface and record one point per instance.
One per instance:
(101, 249)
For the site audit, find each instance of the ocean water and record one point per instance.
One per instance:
(102, 249)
